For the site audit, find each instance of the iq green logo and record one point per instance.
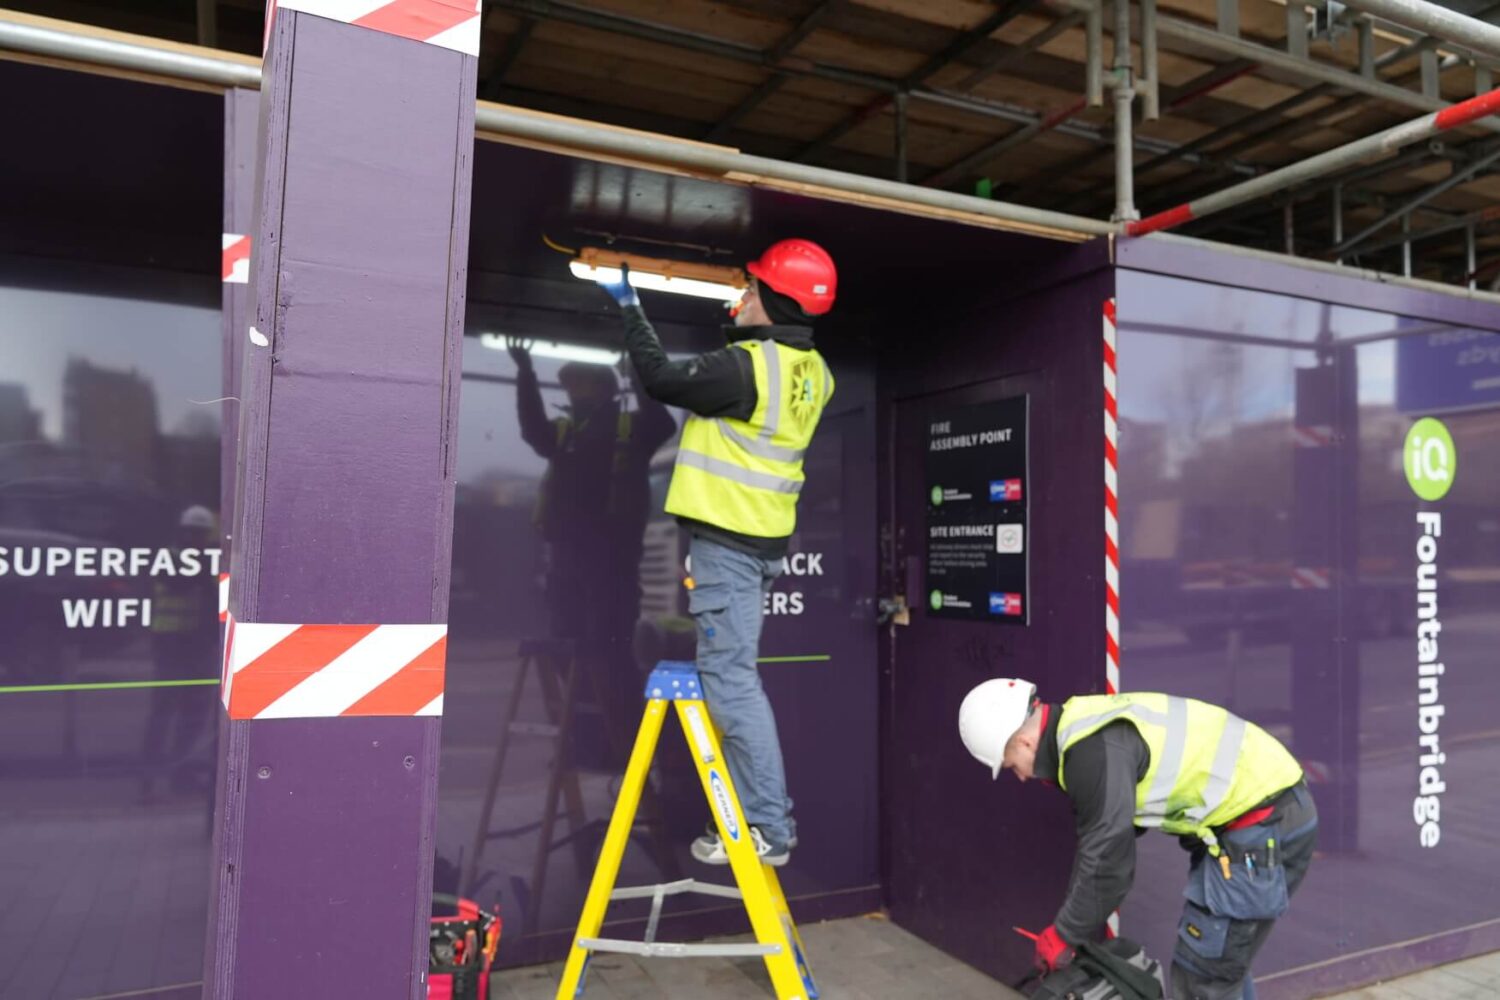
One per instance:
(937, 496)
(1431, 459)
(936, 600)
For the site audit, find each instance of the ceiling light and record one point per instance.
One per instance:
(704, 281)
(556, 350)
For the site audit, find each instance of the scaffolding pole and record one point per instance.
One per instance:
(1093, 34)
(901, 138)
(1469, 255)
(1150, 74)
(1347, 155)
(1203, 36)
(1431, 19)
(1124, 93)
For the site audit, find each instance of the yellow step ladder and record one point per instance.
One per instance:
(776, 937)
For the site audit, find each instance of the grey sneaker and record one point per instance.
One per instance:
(709, 848)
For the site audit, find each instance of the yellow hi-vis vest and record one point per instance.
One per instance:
(1208, 767)
(745, 475)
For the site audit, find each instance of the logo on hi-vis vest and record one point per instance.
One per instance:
(804, 390)
(722, 803)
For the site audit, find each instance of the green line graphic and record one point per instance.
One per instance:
(821, 658)
(109, 686)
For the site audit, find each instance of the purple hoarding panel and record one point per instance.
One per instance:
(349, 401)
(1270, 546)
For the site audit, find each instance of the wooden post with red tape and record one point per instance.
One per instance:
(334, 663)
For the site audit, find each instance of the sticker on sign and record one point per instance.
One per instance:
(1005, 604)
(1010, 538)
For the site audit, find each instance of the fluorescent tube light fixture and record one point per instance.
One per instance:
(704, 281)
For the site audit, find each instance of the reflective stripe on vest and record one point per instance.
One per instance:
(1207, 768)
(746, 475)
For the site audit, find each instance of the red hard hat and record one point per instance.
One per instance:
(800, 270)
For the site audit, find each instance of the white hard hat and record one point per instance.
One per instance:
(990, 716)
(196, 516)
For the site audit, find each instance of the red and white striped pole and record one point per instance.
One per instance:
(1111, 509)
(1347, 155)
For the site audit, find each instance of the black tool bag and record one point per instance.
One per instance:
(1111, 970)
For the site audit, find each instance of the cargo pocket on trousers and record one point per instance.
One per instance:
(708, 597)
(707, 603)
(1203, 933)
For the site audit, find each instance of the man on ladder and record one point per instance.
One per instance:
(1228, 789)
(754, 407)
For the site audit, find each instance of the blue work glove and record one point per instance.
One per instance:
(621, 291)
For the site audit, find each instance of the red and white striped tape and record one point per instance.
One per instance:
(322, 671)
(1111, 529)
(223, 597)
(1111, 508)
(1314, 436)
(1310, 578)
(451, 24)
(236, 259)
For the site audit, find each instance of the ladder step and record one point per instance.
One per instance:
(668, 949)
(691, 885)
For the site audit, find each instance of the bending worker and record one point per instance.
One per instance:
(1227, 789)
(754, 407)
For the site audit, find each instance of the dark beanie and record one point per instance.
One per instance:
(783, 309)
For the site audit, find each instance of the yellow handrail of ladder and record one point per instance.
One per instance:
(770, 919)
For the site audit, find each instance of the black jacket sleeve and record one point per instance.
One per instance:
(1102, 772)
(717, 384)
(536, 430)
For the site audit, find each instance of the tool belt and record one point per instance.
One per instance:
(1246, 880)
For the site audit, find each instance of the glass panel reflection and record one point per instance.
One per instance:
(109, 555)
(1270, 547)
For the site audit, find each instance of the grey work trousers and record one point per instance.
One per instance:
(1214, 950)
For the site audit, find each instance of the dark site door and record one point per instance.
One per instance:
(974, 478)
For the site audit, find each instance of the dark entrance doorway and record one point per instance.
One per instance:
(967, 858)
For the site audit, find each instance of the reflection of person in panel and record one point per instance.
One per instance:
(591, 512)
(755, 405)
(184, 646)
(1232, 794)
